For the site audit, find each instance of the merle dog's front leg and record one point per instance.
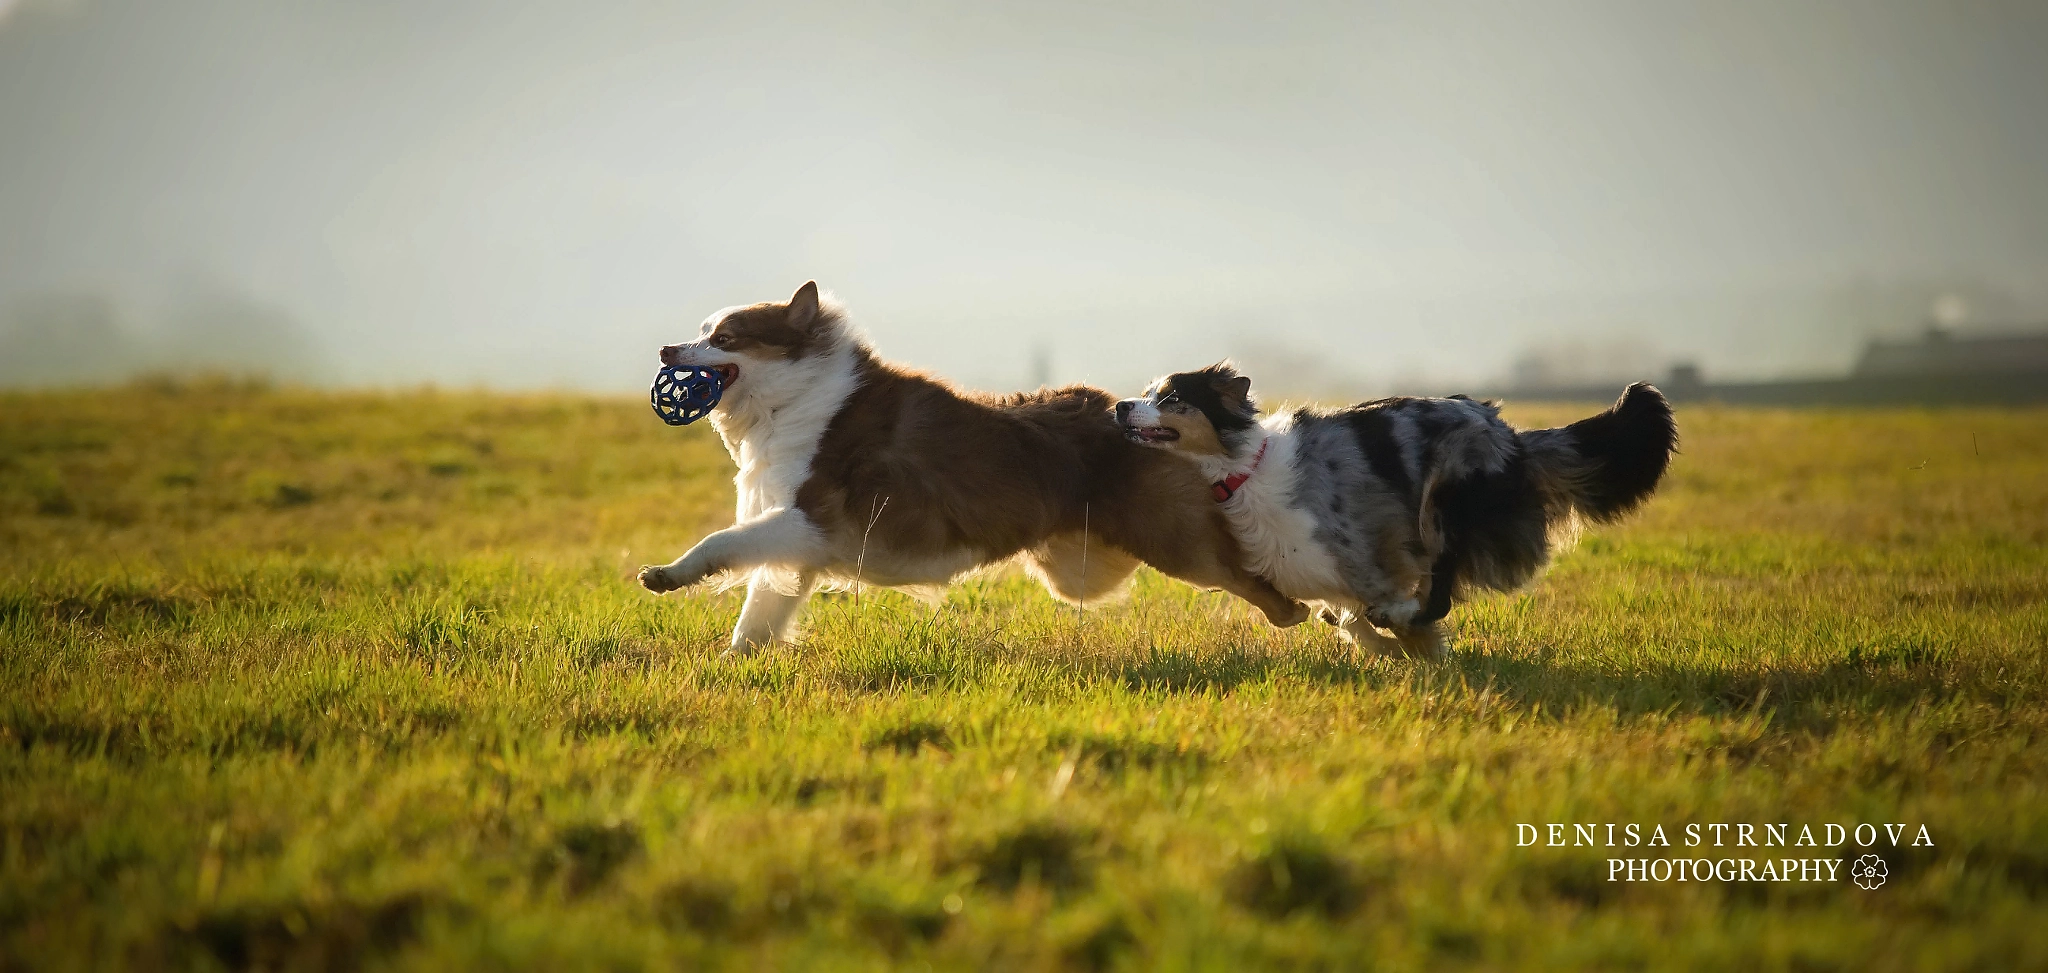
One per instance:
(783, 537)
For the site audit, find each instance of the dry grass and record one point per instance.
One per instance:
(299, 680)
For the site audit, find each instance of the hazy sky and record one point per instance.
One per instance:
(537, 193)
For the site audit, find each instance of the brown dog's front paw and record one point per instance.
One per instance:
(655, 578)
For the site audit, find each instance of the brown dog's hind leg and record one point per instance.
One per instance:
(1079, 572)
(1206, 556)
(1158, 508)
(1204, 566)
(1279, 609)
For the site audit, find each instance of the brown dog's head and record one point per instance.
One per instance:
(751, 341)
(1203, 413)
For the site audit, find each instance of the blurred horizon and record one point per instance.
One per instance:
(1341, 196)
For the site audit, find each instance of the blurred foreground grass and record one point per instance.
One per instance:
(319, 680)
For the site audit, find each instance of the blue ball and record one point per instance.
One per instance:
(683, 394)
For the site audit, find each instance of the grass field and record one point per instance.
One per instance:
(319, 681)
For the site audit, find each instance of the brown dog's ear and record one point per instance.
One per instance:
(803, 306)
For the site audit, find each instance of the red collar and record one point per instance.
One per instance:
(1226, 488)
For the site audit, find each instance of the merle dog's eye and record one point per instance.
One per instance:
(1170, 401)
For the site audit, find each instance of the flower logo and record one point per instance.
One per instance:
(1869, 872)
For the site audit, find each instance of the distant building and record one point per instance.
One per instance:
(1942, 368)
(1684, 377)
(1940, 352)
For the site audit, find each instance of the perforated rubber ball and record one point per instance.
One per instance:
(683, 394)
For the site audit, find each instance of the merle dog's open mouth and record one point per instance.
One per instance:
(1150, 434)
(727, 374)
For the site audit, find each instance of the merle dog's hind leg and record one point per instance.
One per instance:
(1391, 585)
(1422, 637)
(1424, 641)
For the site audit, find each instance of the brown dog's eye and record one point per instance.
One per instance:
(720, 340)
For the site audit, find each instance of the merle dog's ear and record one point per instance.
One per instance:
(1236, 392)
(803, 306)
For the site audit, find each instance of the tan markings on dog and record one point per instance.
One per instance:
(1197, 433)
(1080, 569)
(1424, 641)
(1429, 527)
(771, 330)
(1194, 433)
(1397, 558)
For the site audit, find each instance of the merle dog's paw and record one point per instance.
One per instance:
(1394, 617)
(656, 578)
(1330, 617)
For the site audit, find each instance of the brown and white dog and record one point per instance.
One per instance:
(1384, 513)
(854, 470)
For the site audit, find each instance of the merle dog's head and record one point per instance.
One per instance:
(1203, 413)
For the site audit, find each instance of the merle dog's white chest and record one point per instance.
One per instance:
(1278, 537)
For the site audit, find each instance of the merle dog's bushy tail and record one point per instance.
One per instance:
(1499, 530)
(1605, 466)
